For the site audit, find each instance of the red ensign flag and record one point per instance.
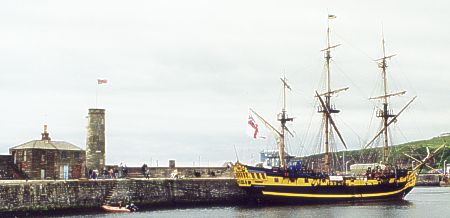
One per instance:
(252, 123)
(102, 81)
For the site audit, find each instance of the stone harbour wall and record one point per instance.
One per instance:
(20, 196)
(51, 195)
(177, 191)
(428, 180)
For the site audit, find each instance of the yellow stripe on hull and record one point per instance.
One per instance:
(336, 195)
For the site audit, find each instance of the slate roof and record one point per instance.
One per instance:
(47, 145)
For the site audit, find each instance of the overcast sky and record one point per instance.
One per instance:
(183, 74)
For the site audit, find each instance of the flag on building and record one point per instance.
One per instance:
(253, 124)
(102, 81)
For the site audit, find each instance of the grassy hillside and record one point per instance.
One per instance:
(417, 149)
(421, 145)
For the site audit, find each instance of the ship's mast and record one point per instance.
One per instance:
(283, 118)
(385, 113)
(328, 93)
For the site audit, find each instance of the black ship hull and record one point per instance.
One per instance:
(256, 195)
(264, 186)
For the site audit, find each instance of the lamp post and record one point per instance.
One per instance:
(445, 166)
(346, 167)
(343, 161)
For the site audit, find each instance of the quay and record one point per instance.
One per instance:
(57, 195)
(29, 196)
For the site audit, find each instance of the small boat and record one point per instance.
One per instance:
(115, 209)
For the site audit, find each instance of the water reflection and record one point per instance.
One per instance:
(421, 202)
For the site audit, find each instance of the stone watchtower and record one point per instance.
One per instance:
(95, 140)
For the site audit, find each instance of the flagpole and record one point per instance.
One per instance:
(99, 82)
(96, 96)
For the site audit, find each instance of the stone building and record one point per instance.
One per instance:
(6, 167)
(95, 140)
(47, 159)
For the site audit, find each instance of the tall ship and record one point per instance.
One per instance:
(289, 180)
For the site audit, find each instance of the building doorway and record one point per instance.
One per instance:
(64, 172)
(42, 174)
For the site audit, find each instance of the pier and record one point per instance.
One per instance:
(54, 195)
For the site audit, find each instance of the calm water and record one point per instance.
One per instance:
(421, 202)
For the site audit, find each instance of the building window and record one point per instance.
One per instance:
(63, 154)
(76, 155)
(43, 158)
(24, 155)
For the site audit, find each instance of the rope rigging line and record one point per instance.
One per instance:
(374, 109)
(392, 149)
(306, 133)
(349, 127)
(360, 92)
(372, 152)
(353, 46)
(319, 138)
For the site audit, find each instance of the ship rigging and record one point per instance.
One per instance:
(292, 182)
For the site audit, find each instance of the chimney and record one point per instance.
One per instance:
(45, 135)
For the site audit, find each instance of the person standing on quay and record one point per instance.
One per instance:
(116, 173)
(125, 171)
(120, 170)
